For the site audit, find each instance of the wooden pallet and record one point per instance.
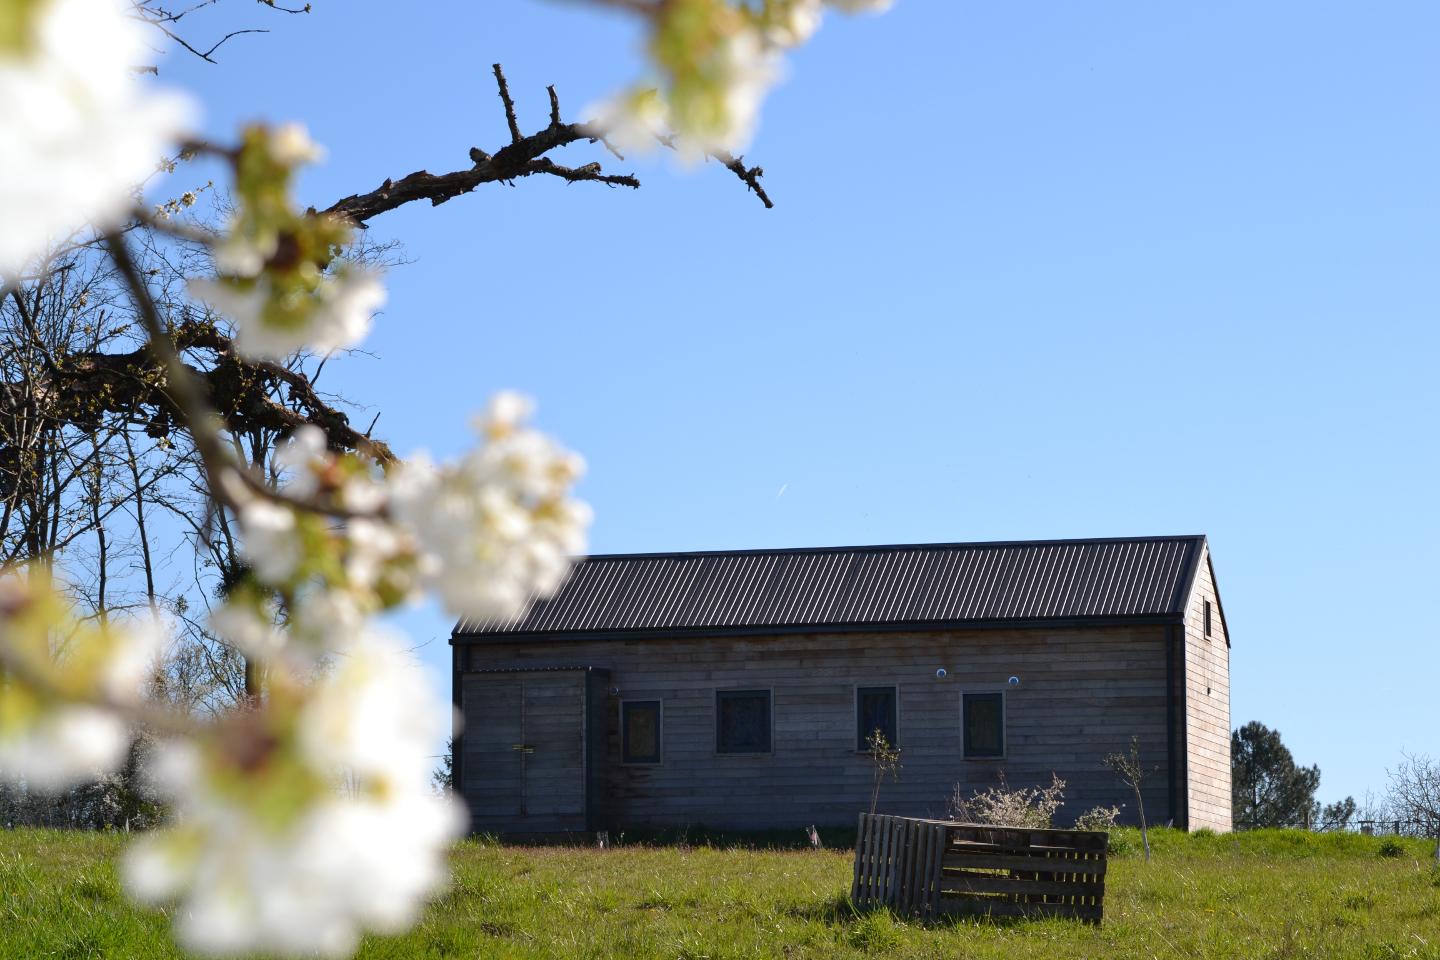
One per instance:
(928, 868)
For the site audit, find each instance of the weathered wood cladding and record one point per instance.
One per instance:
(1207, 706)
(1083, 693)
(529, 752)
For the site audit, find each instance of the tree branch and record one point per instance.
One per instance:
(524, 156)
(81, 387)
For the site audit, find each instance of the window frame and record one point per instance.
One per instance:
(1004, 724)
(659, 732)
(855, 711)
(769, 693)
(1207, 620)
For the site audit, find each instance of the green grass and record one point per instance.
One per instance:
(1269, 894)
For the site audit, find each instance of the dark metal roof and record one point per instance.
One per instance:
(889, 586)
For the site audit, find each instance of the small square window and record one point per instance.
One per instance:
(876, 709)
(1207, 618)
(983, 724)
(640, 731)
(742, 721)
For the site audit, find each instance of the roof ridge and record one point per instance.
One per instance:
(893, 547)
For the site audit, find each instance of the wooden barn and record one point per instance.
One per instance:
(735, 689)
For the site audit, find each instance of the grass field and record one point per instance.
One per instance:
(1270, 894)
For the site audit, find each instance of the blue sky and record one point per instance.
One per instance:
(1035, 270)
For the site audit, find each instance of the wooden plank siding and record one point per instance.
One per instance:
(523, 763)
(1207, 707)
(1083, 693)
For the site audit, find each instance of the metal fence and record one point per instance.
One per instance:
(1379, 827)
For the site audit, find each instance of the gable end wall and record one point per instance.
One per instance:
(1207, 707)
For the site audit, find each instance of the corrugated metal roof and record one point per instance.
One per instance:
(859, 586)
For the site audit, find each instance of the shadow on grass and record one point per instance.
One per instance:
(834, 911)
(838, 838)
(838, 911)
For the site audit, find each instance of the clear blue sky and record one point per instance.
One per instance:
(1036, 270)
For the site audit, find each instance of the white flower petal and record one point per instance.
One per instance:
(77, 130)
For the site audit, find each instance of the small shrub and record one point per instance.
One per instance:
(1391, 847)
(1003, 807)
(885, 759)
(1098, 818)
(1120, 843)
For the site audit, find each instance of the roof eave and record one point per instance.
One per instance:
(764, 630)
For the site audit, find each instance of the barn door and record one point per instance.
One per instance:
(553, 754)
(524, 766)
(492, 770)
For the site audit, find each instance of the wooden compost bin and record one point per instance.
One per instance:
(928, 868)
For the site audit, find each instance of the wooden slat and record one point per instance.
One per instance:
(1024, 850)
(1010, 861)
(892, 858)
(902, 866)
(915, 864)
(902, 828)
(927, 852)
(877, 856)
(937, 862)
(862, 857)
(976, 883)
(1023, 838)
(866, 857)
(859, 859)
(919, 867)
(882, 861)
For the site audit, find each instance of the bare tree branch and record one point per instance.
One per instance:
(166, 20)
(522, 157)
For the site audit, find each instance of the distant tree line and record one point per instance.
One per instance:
(1269, 789)
(117, 801)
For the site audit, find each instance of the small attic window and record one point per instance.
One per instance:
(1207, 619)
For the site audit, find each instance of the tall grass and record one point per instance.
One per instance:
(1270, 894)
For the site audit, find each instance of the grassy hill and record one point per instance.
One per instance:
(1271, 894)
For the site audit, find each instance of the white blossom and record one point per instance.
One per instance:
(303, 456)
(506, 411)
(325, 620)
(69, 743)
(344, 308)
(797, 23)
(632, 122)
(135, 646)
(291, 145)
(250, 630)
(271, 541)
(500, 526)
(752, 68)
(362, 493)
(77, 131)
(362, 858)
(238, 256)
(748, 66)
(370, 544)
(64, 746)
